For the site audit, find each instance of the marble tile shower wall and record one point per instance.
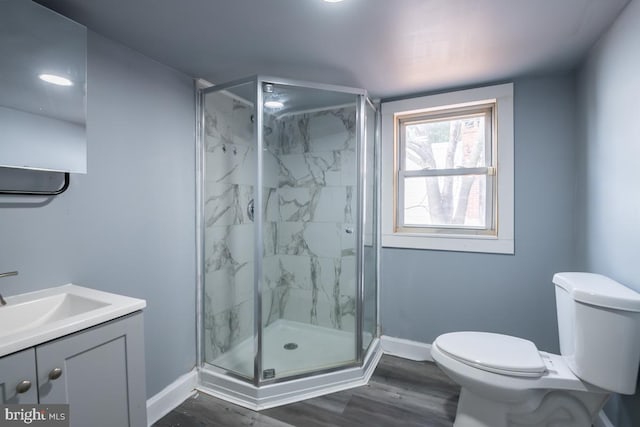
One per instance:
(309, 204)
(315, 239)
(230, 172)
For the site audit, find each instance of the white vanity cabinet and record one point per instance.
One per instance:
(18, 378)
(98, 371)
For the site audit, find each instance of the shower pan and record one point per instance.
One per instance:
(288, 243)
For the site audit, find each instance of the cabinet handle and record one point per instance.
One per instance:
(23, 386)
(55, 373)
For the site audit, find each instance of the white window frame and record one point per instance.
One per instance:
(465, 240)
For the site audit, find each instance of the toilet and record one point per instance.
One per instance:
(507, 382)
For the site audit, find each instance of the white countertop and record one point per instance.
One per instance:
(36, 317)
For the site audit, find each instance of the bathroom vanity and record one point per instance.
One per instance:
(82, 347)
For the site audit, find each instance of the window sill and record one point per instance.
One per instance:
(459, 243)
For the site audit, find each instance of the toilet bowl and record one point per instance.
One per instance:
(507, 382)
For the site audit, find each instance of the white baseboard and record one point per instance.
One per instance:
(407, 349)
(603, 421)
(171, 396)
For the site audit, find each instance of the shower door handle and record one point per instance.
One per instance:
(348, 230)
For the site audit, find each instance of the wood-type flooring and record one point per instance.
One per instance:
(400, 393)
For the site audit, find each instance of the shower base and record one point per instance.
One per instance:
(316, 349)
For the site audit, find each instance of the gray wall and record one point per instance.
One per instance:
(128, 225)
(609, 147)
(427, 293)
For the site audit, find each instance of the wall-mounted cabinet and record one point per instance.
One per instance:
(99, 372)
(42, 89)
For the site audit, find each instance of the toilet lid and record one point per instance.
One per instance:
(497, 353)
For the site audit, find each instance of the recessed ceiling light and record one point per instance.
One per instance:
(56, 80)
(273, 104)
(333, 1)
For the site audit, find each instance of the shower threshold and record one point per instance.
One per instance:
(290, 350)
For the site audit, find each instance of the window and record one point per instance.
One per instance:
(445, 172)
(448, 171)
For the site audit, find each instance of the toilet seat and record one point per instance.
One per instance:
(501, 354)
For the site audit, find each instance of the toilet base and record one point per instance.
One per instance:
(543, 408)
(475, 411)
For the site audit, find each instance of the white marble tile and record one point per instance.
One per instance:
(348, 316)
(246, 310)
(229, 146)
(323, 314)
(297, 269)
(269, 241)
(271, 169)
(228, 246)
(219, 290)
(244, 286)
(316, 239)
(228, 266)
(348, 168)
(348, 276)
(351, 205)
(268, 315)
(278, 286)
(226, 204)
(271, 203)
(271, 271)
(348, 239)
(310, 169)
(231, 164)
(323, 239)
(217, 120)
(271, 133)
(226, 329)
(331, 204)
(294, 135)
(295, 203)
(331, 130)
(290, 239)
(242, 123)
(228, 288)
(299, 309)
(271, 277)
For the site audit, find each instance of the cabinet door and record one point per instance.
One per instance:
(18, 382)
(99, 373)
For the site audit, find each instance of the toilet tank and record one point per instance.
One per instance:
(599, 329)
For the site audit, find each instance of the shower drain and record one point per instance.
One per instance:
(290, 346)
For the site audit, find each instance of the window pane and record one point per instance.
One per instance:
(457, 200)
(446, 143)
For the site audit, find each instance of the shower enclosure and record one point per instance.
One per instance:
(288, 240)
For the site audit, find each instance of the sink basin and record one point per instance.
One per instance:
(31, 314)
(33, 318)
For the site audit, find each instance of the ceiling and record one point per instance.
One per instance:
(389, 47)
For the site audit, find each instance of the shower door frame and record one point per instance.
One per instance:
(202, 89)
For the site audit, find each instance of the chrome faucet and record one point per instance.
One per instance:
(7, 274)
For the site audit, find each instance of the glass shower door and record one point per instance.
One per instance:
(228, 191)
(309, 228)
